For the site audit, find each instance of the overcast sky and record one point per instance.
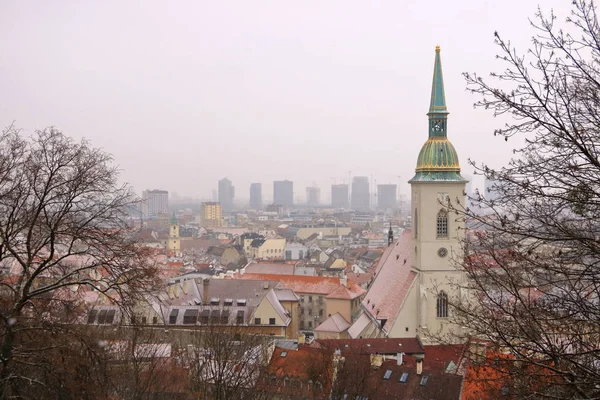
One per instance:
(184, 93)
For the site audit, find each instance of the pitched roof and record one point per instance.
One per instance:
(269, 268)
(380, 346)
(431, 384)
(308, 284)
(348, 292)
(394, 278)
(286, 295)
(296, 363)
(335, 323)
(358, 326)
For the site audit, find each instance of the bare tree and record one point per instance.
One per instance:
(63, 233)
(532, 249)
(226, 363)
(140, 365)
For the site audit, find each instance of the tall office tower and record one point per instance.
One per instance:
(211, 214)
(256, 196)
(386, 197)
(155, 202)
(283, 193)
(313, 196)
(360, 193)
(339, 196)
(226, 194)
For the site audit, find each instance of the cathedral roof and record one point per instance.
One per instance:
(394, 278)
(438, 160)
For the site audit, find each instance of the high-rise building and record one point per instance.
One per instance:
(339, 196)
(360, 193)
(283, 193)
(256, 196)
(155, 202)
(226, 194)
(211, 214)
(313, 196)
(386, 196)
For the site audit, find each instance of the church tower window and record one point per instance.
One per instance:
(416, 223)
(442, 305)
(442, 225)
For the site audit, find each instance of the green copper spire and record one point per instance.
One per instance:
(438, 99)
(173, 219)
(438, 113)
(438, 160)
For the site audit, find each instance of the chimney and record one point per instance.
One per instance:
(376, 360)
(419, 366)
(400, 359)
(301, 339)
(205, 289)
(344, 280)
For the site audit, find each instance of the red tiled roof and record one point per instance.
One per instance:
(296, 362)
(372, 346)
(394, 278)
(360, 278)
(311, 284)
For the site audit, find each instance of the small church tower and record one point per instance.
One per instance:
(436, 232)
(174, 243)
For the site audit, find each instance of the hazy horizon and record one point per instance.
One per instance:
(184, 94)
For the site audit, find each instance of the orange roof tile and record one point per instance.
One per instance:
(306, 284)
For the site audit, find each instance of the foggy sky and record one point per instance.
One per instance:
(185, 93)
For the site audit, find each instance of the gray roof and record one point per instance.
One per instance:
(228, 299)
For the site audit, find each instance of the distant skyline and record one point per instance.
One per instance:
(184, 94)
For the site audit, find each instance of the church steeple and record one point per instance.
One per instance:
(437, 160)
(438, 113)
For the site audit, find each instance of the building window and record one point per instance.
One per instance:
(155, 320)
(256, 321)
(442, 225)
(321, 312)
(301, 310)
(416, 221)
(442, 305)
(310, 299)
(309, 311)
(310, 324)
(302, 299)
(271, 321)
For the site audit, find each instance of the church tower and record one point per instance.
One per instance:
(436, 231)
(173, 243)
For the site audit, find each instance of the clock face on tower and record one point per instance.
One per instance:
(442, 252)
(437, 125)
